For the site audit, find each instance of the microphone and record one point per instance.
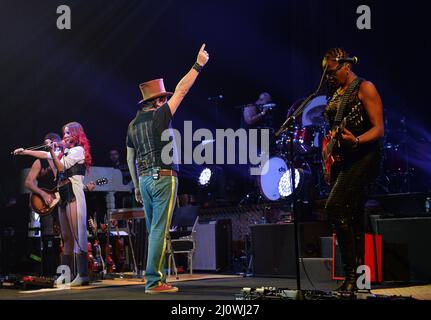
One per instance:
(269, 105)
(352, 60)
(219, 97)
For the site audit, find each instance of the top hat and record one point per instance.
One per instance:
(153, 89)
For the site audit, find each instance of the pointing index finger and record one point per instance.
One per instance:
(203, 47)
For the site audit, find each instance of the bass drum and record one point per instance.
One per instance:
(272, 173)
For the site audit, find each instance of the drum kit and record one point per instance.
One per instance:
(309, 129)
(308, 132)
(398, 173)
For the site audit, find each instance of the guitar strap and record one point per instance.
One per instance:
(344, 100)
(52, 165)
(53, 168)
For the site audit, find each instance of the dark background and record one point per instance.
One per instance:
(90, 74)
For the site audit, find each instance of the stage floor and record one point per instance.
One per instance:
(197, 287)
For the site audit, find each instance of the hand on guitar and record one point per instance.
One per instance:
(47, 198)
(347, 136)
(90, 186)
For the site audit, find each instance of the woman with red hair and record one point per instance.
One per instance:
(72, 164)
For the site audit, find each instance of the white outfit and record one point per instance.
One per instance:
(74, 227)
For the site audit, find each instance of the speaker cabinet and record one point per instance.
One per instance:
(273, 246)
(406, 248)
(213, 245)
(273, 250)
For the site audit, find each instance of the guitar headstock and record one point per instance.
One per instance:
(93, 225)
(101, 181)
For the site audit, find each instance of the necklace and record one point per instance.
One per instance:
(340, 91)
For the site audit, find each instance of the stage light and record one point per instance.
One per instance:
(205, 177)
(285, 184)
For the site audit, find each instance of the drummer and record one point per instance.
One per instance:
(257, 115)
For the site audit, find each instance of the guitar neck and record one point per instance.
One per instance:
(93, 225)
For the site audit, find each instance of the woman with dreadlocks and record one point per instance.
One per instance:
(72, 165)
(357, 101)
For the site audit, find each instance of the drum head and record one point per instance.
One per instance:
(275, 167)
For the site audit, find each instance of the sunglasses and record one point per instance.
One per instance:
(331, 73)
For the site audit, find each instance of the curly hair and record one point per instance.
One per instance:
(77, 133)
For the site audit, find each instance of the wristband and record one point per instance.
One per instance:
(356, 142)
(197, 67)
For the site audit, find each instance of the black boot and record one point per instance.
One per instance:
(82, 278)
(349, 283)
(346, 242)
(359, 231)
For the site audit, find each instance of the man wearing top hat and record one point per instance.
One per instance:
(156, 181)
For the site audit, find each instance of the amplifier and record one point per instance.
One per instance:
(406, 248)
(213, 245)
(273, 246)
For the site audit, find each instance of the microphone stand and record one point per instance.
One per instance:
(217, 102)
(288, 126)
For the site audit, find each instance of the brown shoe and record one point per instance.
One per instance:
(162, 288)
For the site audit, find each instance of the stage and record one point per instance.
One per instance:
(198, 287)
(294, 150)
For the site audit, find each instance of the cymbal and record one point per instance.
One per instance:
(315, 116)
(313, 112)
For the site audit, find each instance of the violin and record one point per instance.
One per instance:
(92, 263)
(110, 264)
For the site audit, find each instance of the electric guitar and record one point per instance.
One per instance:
(40, 207)
(97, 249)
(331, 143)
